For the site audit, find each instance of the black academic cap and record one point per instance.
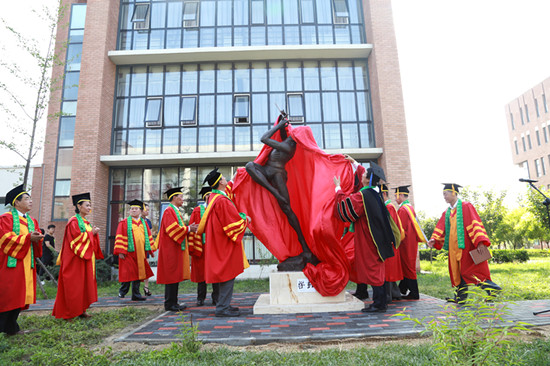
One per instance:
(79, 198)
(12, 195)
(204, 191)
(376, 170)
(453, 187)
(173, 191)
(384, 187)
(213, 177)
(137, 203)
(402, 189)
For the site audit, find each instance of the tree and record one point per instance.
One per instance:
(533, 203)
(22, 117)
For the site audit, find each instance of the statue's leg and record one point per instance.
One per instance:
(258, 174)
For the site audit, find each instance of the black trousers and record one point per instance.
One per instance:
(125, 287)
(202, 289)
(8, 321)
(171, 295)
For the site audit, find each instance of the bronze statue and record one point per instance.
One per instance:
(273, 177)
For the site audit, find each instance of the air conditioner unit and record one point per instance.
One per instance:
(241, 120)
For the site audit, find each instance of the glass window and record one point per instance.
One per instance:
(328, 75)
(293, 76)
(292, 35)
(257, 36)
(309, 34)
(188, 139)
(140, 40)
(135, 142)
(325, 34)
(173, 76)
(360, 75)
(240, 12)
(317, 131)
(363, 107)
(277, 101)
(190, 38)
(311, 75)
(313, 107)
(543, 166)
(151, 184)
(224, 37)
(291, 11)
(126, 13)
(123, 80)
(74, 55)
(274, 13)
(64, 163)
(295, 103)
(140, 12)
(259, 75)
(155, 83)
(224, 78)
(240, 36)
(170, 141)
(153, 112)
(63, 208)
(259, 108)
(242, 109)
(257, 133)
(68, 108)
(224, 109)
(190, 14)
(367, 135)
(158, 15)
(117, 185)
(242, 138)
(330, 111)
(257, 11)
(332, 136)
(156, 40)
(341, 34)
(276, 76)
(275, 35)
(137, 112)
(119, 141)
(70, 91)
(341, 13)
(356, 34)
(169, 179)
(306, 11)
(544, 132)
(173, 38)
(347, 107)
(189, 79)
(350, 136)
(66, 132)
(175, 14)
(188, 111)
(355, 11)
(242, 78)
(207, 78)
(125, 40)
(544, 103)
(78, 16)
(208, 9)
(206, 139)
(324, 11)
(206, 110)
(152, 141)
(224, 12)
(207, 37)
(224, 139)
(139, 81)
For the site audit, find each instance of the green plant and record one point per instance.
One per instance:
(102, 270)
(474, 333)
(188, 335)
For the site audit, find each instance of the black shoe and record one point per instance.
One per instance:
(174, 308)
(410, 297)
(396, 298)
(121, 295)
(374, 309)
(200, 302)
(233, 308)
(361, 296)
(182, 306)
(228, 313)
(138, 298)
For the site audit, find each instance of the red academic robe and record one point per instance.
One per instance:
(17, 284)
(224, 229)
(409, 243)
(474, 235)
(394, 272)
(134, 267)
(196, 249)
(368, 264)
(77, 285)
(173, 261)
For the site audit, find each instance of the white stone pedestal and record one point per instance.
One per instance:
(291, 292)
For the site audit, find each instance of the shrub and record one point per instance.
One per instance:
(509, 256)
(102, 270)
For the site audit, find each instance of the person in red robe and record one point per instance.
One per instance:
(132, 243)
(373, 233)
(20, 243)
(394, 272)
(460, 231)
(173, 259)
(77, 285)
(224, 253)
(409, 244)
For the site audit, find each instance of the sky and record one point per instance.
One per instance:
(461, 62)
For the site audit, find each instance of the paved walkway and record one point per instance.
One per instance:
(260, 329)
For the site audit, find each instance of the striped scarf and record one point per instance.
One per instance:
(12, 262)
(131, 247)
(459, 226)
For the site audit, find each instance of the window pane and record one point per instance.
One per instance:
(225, 78)
(155, 83)
(189, 79)
(206, 110)
(68, 108)
(241, 106)
(356, 34)
(242, 138)
(133, 184)
(367, 135)
(140, 12)
(276, 76)
(259, 76)
(158, 15)
(190, 38)
(207, 78)
(325, 35)
(240, 37)
(274, 11)
(140, 40)
(224, 139)
(275, 35)
(242, 78)
(363, 107)
(175, 12)
(139, 78)
(189, 139)
(120, 142)
(306, 11)
(317, 130)
(153, 109)
(151, 184)
(170, 141)
(224, 12)
(63, 208)
(137, 112)
(169, 179)
(173, 76)
(276, 101)
(190, 9)
(70, 86)
(224, 37)
(313, 107)
(293, 76)
(324, 11)
(78, 16)
(208, 9)
(360, 76)
(354, 11)
(311, 76)
(345, 75)
(123, 87)
(257, 133)
(224, 108)
(328, 75)
(291, 11)
(206, 139)
(332, 136)
(152, 141)
(347, 106)
(74, 54)
(257, 11)
(309, 35)
(340, 8)
(330, 111)
(188, 109)
(292, 35)
(117, 184)
(64, 163)
(341, 35)
(240, 12)
(135, 142)
(259, 108)
(257, 36)
(173, 38)
(295, 105)
(66, 132)
(207, 37)
(350, 136)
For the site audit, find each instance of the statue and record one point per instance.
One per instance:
(273, 177)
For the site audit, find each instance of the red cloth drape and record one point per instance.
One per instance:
(311, 191)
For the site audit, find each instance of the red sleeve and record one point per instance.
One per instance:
(173, 229)
(194, 239)
(233, 225)
(349, 208)
(358, 178)
(37, 247)
(82, 244)
(439, 233)
(15, 246)
(121, 239)
(473, 225)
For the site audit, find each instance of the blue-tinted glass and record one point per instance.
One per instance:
(173, 38)
(242, 138)
(190, 38)
(332, 136)
(68, 108)
(328, 75)
(313, 107)
(71, 86)
(224, 12)
(170, 141)
(293, 76)
(207, 37)
(341, 35)
(350, 137)
(189, 79)
(324, 11)
(139, 81)
(317, 131)
(140, 40)
(259, 76)
(207, 11)
(120, 142)
(367, 135)
(126, 12)
(259, 108)
(206, 110)
(74, 55)
(224, 139)
(257, 36)
(240, 37)
(275, 35)
(121, 118)
(242, 78)
(156, 40)
(175, 12)
(66, 132)
(276, 101)
(330, 107)
(172, 79)
(78, 16)
(76, 36)
(64, 163)
(360, 76)
(345, 75)
(347, 106)
(311, 75)
(309, 34)
(340, 8)
(207, 78)
(224, 37)
(135, 142)
(125, 41)
(206, 139)
(356, 34)
(189, 139)
(171, 111)
(257, 133)
(152, 110)
(257, 11)
(295, 105)
(152, 141)
(307, 11)
(325, 34)
(188, 109)
(276, 76)
(62, 188)
(223, 109)
(190, 13)
(240, 12)
(291, 12)
(354, 11)
(140, 12)
(292, 35)
(363, 107)
(224, 78)
(155, 82)
(273, 11)
(158, 15)
(242, 108)
(137, 112)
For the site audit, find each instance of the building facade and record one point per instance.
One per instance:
(528, 122)
(157, 93)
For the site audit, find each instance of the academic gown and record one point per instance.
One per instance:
(173, 261)
(408, 250)
(196, 248)
(134, 267)
(394, 272)
(17, 284)
(460, 261)
(77, 284)
(224, 229)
